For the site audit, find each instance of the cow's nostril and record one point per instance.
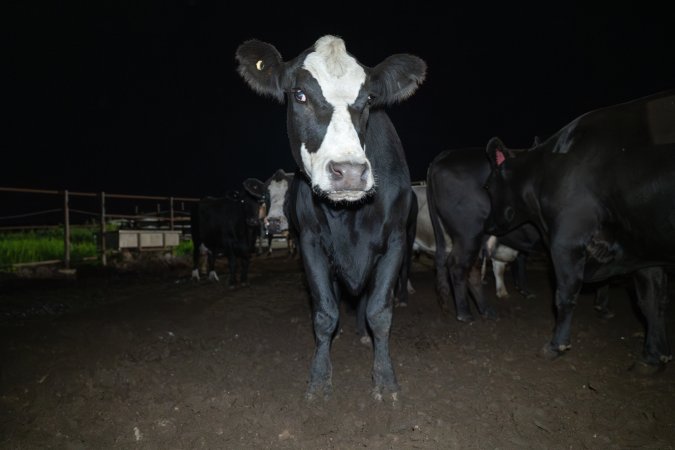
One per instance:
(336, 170)
(365, 172)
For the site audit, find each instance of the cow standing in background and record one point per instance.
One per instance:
(276, 221)
(458, 209)
(602, 193)
(227, 225)
(354, 234)
(499, 254)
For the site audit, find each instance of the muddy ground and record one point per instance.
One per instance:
(145, 358)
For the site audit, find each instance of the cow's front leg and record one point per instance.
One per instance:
(379, 312)
(569, 269)
(325, 319)
(325, 315)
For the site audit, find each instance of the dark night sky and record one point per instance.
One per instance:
(144, 98)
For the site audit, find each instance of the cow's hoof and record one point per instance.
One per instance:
(466, 318)
(549, 353)
(314, 394)
(604, 313)
(380, 394)
(490, 314)
(527, 294)
(231, 287)
(646, 369)
(365, 340)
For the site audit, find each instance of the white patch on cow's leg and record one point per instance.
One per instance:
(195, 274)
(498, 268)
(213, 276)
(411, 289)
(483, 269)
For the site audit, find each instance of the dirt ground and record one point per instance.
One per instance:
(146, 358)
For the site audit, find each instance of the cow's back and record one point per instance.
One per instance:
(222, 224)
(608, 178)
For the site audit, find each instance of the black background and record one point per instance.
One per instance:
(143, 97)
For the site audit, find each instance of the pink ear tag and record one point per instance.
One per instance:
(499, 156)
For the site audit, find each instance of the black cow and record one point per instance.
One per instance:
(351, 202)
(275, 220)
(602, 193)
(499, 254)
(458, 208)
(228, 226)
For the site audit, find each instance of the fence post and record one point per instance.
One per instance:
(104, 256)
(66, 231)
(171, 213)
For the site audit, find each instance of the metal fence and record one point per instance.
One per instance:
(56, 209)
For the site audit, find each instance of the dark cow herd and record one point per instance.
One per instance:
(597, 199)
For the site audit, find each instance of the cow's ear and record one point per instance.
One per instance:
(497, 152)
(396, 78)
(261, 66)
(255, 187)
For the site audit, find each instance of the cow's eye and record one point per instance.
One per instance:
(299, 95)
(371, 97)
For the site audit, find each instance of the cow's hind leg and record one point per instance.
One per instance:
(498, 269)
(232, 263)
(196, 256)
(518, 270)
(244, 264)
(465, 277)
(651, 288)
(211, 262)
(601, 302)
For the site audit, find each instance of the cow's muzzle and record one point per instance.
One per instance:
(348, 176)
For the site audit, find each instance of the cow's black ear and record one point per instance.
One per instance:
(255, 187)
(261, 66)
(396, 78)
(497, 152)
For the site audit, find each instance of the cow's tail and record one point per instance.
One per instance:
(404, 286)
(441, 256)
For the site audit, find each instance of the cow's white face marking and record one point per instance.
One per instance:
(277, 190)
(341, 79)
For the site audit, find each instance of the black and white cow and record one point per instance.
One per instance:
(602, 193)
(227, 226)
(499, 254)
(458, 208)
(351, 202)
(275, 220)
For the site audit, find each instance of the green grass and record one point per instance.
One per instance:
(45, 245)
(184, 248)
